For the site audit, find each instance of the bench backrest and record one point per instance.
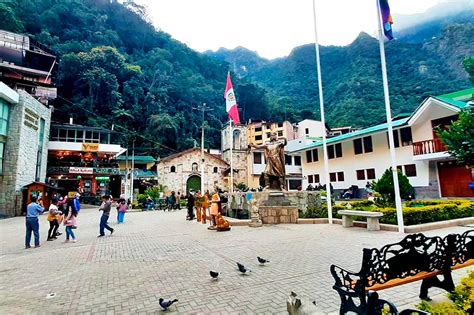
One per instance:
(414, 254)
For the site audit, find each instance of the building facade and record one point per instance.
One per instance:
(181, 172)
(24, 129)
(259, 132)
(363, 155)
(83, 159)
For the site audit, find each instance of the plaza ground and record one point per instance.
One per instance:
(160, 254)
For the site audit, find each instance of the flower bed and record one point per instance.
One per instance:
(414, 212)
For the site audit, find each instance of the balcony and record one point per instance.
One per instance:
(429, 149)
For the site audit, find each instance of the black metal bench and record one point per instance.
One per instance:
(416, 257)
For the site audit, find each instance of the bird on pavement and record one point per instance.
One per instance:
(214, 274)
(242, 269)
(165, 304)
(262, 261)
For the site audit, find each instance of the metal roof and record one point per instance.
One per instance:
(137, 158)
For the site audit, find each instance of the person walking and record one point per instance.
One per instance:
(122, 208)
(178, 201)
(105, 208)
(71, 223)
(34, 209)
(53, 216)
(77, 204)
(171, 201)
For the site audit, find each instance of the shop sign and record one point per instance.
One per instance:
(90, 147)
(81, 170)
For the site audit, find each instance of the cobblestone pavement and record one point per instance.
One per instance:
(159, 254)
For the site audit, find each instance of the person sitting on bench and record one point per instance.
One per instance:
(348, 194)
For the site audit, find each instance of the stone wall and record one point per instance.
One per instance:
(176, 181)
(299, 199)
(21, 151)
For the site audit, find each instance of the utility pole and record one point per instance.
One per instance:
(133, 168)
(202, 108)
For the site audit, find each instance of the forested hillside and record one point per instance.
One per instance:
(352, 80)
(115, 68)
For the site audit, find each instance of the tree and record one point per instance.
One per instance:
(385, 187)
(469, 67)
(459, 137)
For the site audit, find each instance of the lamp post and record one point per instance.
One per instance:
(202, 108)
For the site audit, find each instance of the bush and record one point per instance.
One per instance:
(432, 213)
(462, 299)
(385, 187)
(322, 212)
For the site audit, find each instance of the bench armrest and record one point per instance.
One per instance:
(350, 287)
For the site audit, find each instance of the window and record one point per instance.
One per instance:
(316, 178)
(358, 146)
(39, 155)
(216, 169)
(360, 174)
(2, 149)
(194, 167)
(257, 158)
(371, 173)
(310, 179)
(258, 138)
(173, 169)
(294, 184)
(410, 170)
(71, 135)
(306, 131)
(368, 144)
(405, 136)
(335, 151)
(287, 159)
(280, 124)
(3, 118)
(312, 156)
(79, 136)
(297, 160)
(336, 177)
(395, 139)
(258, 129)
(280, 133)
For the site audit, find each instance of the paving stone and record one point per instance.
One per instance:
(160, 254)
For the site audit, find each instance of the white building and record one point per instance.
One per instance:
(309, 128)
(363, 155)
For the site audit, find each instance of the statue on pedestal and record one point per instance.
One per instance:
(274, 172)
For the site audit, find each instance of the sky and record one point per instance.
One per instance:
(272, 28)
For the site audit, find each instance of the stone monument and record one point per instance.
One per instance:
(276, 208)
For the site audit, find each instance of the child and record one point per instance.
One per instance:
(71, 223)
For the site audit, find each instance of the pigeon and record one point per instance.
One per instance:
(262, 261)
(242, 269)
(214, 274)
(165, 304)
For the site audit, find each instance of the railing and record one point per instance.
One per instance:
(428, 147)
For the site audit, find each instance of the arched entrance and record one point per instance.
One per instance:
(193, 183)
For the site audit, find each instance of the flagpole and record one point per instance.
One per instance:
(321, 106)
(231, 160)
(398, 201)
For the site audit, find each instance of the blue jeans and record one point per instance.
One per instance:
(32, 225)
(120, 217)
(104, 225)
(70, 233)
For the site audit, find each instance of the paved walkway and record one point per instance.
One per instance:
(159, 254)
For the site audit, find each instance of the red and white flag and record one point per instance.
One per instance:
(230, 101)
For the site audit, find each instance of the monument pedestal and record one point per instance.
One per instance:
(277, 209)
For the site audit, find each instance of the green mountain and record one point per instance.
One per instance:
(116, 68)
(352, 80)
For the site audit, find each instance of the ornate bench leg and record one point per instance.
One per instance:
(347, 221)
(373, 224)
(447, 284)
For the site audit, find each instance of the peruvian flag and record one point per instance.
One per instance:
(230, 102)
